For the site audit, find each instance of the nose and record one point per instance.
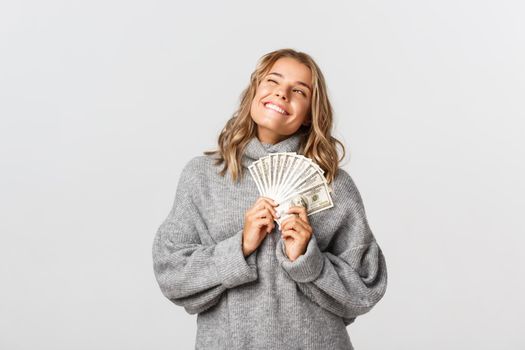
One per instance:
(281, 94)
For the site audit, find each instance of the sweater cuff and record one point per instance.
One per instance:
(232, 267)
(306, 267)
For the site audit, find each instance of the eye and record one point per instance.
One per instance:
(301, 91)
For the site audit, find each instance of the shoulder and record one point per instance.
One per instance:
(191, 177)
(344, 182)
(194, 164)
(345, 190)
(196, 169)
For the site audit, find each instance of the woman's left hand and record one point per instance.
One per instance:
(296, 232)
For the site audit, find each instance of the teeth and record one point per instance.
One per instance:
(275, 108)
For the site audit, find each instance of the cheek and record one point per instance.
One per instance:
(256, 108)
(261, 93)
(302, 109)
(258, 96)
(254, 101)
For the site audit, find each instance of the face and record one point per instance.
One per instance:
(282, 100)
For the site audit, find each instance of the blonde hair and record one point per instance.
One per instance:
(317, 143)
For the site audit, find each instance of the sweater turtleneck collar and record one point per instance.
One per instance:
(255, 149)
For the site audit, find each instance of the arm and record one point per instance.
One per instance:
(189, 273)
(351, 277)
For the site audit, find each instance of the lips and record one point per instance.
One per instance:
(278, 105)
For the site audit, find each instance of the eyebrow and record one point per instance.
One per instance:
(297, 82)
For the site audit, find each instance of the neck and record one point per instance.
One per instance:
(269, 137)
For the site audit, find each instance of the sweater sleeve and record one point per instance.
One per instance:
(189, 273)
(349, 277)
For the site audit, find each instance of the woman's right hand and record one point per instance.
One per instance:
(258, 221)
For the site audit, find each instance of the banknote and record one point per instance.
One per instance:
(292, 179)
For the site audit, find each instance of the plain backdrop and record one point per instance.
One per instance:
(103, 102)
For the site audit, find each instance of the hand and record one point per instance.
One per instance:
(296, 232)
(258, 221)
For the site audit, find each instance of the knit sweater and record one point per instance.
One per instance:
(265, 300)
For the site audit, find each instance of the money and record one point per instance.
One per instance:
(292, 180)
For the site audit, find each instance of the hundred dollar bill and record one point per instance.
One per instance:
(292, 179)
(314, 199)
(280, 166)
(299, 166)
(267, 174)
(256, 178)
(259, 168)
(289, 164)
(307, 179)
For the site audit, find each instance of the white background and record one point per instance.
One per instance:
(103, 102)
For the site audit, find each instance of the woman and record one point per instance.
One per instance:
(219, 254)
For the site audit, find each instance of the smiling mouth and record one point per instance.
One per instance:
(271, 106)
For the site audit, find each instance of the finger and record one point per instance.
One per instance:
(291, 217)
(292, 223)
(270, 210)
(263, 213)
(290, 234)
(297, 225)
(267, 199)
(287, 221)
(285, 225)
(265, 222)
(302, 228)
(301, 211)
(258, 205)
(264, 204)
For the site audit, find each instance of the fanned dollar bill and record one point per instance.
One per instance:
(292, 180)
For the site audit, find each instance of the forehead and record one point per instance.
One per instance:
(291, 69)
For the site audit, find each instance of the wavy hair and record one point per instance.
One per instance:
(317, 142)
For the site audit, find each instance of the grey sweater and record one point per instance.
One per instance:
(264, 300)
